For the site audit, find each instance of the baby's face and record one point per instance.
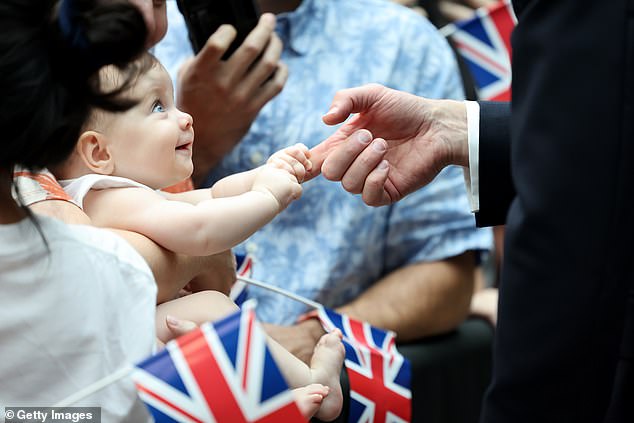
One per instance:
(152, 142)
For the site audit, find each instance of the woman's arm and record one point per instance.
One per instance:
(173, 271)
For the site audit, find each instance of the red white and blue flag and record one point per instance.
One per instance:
(484, 42)
(379, 375)
(221, 372)
(244, 268)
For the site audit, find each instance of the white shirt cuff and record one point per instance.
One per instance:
(473, 136)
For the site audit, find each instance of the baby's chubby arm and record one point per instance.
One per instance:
(293, 159)
(192, 197)
(209, 227)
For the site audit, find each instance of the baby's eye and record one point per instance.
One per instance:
(158, 107)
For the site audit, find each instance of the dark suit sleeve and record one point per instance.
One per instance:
(560, 354)
(495, 183)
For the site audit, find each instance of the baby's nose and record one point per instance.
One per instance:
(185, 120)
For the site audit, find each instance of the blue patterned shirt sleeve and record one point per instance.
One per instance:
(329, 246)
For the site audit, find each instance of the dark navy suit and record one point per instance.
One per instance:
(558, 167)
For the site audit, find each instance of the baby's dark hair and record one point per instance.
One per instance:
(50, 52)
(123, 80)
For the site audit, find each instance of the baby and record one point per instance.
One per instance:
(122, 161)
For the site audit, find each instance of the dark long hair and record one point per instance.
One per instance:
(50, 52)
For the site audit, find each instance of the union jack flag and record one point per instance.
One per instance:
(484, 42)
(379, 375)
(244, 265)
(221, 372)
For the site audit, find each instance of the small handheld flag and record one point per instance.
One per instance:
(379, 375)
(220, 372)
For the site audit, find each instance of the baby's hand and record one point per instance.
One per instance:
(294, 159)
(279, 183)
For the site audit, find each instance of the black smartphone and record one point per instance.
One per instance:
(203, 17)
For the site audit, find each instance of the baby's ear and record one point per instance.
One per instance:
(93, 149)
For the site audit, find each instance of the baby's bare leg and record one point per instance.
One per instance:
(325, 367)
(199, 308)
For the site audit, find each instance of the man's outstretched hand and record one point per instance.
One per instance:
(396, 142)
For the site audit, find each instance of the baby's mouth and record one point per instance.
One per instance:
(185, 146)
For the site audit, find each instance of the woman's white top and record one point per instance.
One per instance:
(71, 315)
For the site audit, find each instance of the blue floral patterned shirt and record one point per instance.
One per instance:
(329, 246)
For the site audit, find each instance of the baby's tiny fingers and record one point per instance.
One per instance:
(298, 169)
(279, 163)
(301, 153)
(302, 147)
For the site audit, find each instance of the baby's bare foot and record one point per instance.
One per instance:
(325, 368)
(309, 398)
